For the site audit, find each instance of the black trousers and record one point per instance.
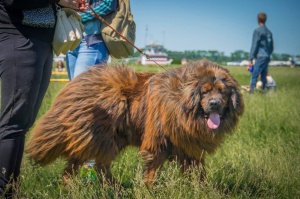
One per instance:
(25, 70)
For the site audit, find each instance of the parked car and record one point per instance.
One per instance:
(233, 63)
(244, 63)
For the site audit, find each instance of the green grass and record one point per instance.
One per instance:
(260, 160)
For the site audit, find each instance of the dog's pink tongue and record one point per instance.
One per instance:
(213, 121)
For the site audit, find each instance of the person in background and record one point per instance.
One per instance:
(25, 68)
(262, 48)
(92, 49)
(60, 66)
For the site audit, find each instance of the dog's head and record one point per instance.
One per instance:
(212, 93)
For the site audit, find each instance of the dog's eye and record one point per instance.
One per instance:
(222, 90)
(223, 79)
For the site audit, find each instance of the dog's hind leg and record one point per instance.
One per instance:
(105, 170)
(71, 169)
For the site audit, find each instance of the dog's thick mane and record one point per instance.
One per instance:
(178, 109)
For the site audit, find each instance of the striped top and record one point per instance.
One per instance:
(102, 7)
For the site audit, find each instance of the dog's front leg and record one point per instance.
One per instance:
(152, 161)
(186, 165)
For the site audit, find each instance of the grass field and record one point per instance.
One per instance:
(260, 160)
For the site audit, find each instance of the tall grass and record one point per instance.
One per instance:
(260, 160)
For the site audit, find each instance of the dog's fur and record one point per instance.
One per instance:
(165, 114)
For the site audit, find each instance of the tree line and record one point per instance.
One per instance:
(217, 56)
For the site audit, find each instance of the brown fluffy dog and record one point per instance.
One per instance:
(179, 114)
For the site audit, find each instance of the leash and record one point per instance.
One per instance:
(138, 49)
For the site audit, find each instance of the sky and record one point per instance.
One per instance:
(222, 25)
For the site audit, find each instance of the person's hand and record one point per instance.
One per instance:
(250, 66)
(74, 4)
(83, 5)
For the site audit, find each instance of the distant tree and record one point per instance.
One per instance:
(136, 53)
(215, 55)
(201, 53)
(239, 55)
(275, 56)
(286, 57)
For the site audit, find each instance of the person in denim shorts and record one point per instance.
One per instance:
(92, 49)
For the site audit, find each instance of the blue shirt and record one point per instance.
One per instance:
(262, 43)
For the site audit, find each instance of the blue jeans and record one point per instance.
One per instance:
(260, 68)
(84, 57)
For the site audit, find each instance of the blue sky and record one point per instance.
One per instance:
(220, 25)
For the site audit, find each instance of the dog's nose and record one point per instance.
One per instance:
(213, 103)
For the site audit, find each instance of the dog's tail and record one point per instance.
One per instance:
(46, 142)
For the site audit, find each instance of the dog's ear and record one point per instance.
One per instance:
(236, 100)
